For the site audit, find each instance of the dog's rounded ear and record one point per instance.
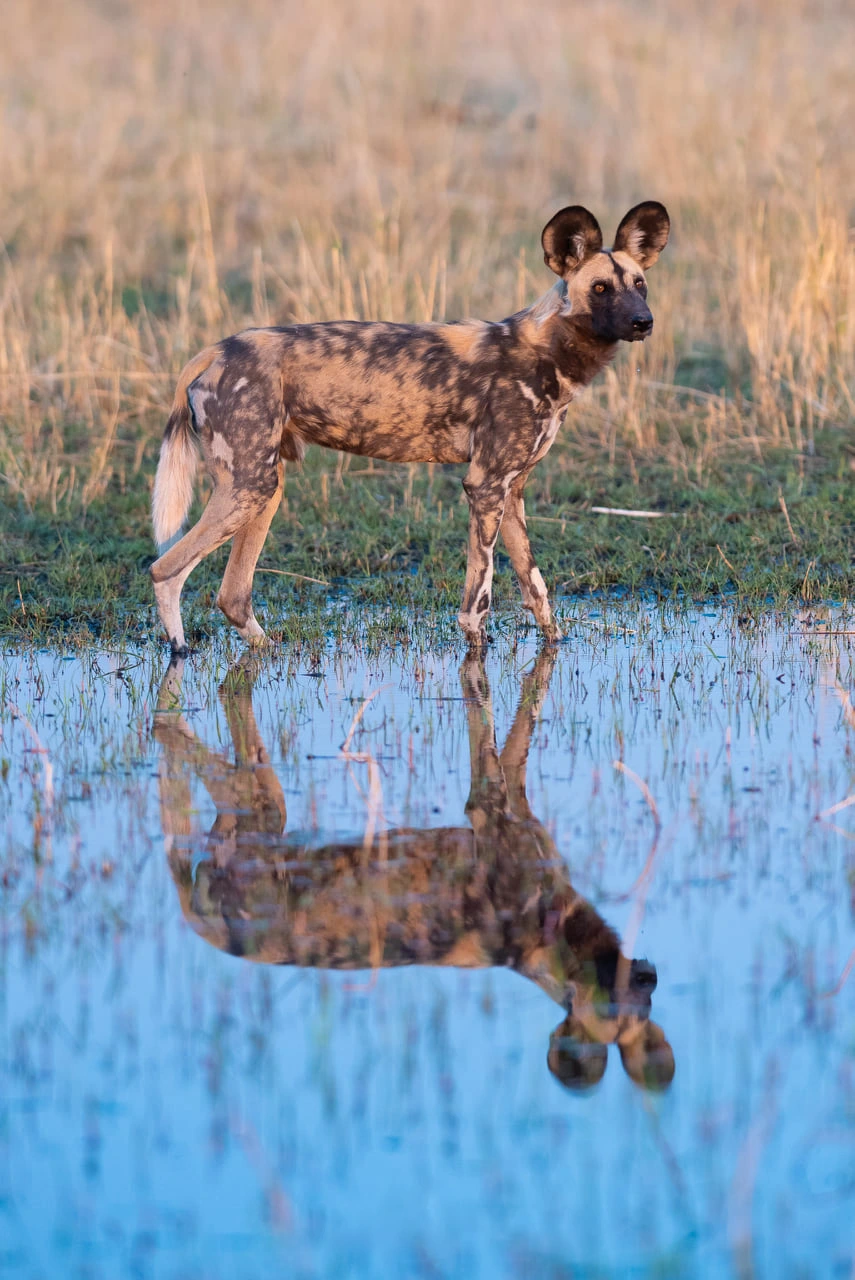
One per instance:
(643, 232)
(575, 1058)
(649, 1059)
(569, 238)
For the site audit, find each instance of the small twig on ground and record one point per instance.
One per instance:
(629, 511)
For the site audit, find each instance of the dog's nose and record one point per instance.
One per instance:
(642, 324)
(643, 975)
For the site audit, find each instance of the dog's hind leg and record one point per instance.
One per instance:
(220, 520)
(235, 595)
(515, 538)
(486, 495)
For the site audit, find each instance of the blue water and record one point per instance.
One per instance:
(171, 1109)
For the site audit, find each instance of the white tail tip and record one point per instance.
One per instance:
(173, 486)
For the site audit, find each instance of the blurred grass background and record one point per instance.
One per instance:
(172, 172)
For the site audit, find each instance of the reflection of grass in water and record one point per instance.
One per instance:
(632, 657)
(625, 658)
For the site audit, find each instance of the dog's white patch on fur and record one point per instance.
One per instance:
(222, 450)
(580, 244)
(251, 631)
(535, 595)
(200, 404)
(200, 401)
(555, 302)
(538, 586)
(635, 241)
(529, 394)
(548, 426)
(472, 622)
(240, 384)
(548, 434)
(274, 455)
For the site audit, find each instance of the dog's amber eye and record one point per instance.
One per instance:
(639, 284)
(599, 288)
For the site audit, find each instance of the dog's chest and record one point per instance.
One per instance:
(546, 414)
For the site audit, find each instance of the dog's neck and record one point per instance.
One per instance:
(578, 355)
(563, 338)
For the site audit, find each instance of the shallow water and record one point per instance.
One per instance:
(273, 1008)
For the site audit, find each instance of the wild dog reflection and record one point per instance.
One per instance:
(495, 892)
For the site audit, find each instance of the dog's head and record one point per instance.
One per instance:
(609, 1002)
(578, 1059)
(607, 289)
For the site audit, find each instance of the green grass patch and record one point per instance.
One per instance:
(764, 530)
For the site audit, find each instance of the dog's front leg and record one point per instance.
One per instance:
(515, 538)
(486, 495)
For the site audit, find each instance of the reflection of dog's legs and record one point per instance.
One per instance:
(170, 729)
(169, 693)
(248, 788)
(183, 757)
(235, 694)
(256, 786)
(514, 757)
(487, 792)
(180, 745)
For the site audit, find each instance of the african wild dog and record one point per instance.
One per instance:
(492, 395)
(493, 893)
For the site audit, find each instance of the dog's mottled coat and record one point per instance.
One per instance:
(490, 394)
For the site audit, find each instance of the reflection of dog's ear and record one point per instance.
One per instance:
(575, 1058)
(648, 1059)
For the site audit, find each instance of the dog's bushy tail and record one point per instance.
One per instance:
(179, 458)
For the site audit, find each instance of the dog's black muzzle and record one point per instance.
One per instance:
(642, 325)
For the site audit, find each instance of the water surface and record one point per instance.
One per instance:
(543, 974)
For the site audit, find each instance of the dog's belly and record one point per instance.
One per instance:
(387, 445)
(429, 896)
(398, 437)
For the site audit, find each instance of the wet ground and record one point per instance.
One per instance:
(386, 966)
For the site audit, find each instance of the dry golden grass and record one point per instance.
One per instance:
(172, 171)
